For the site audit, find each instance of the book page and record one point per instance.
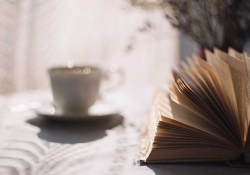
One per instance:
(188, 85)
(209, 81)
(181, 135)
(232, 52)
(247, 60)
(212, 72)
(204, 77)
(215, 77)
(187, 119)
(226, 82)
(204, 86)
(182, 100)
(238, 73)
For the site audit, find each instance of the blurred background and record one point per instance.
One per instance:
(38, 34)
(138, 36)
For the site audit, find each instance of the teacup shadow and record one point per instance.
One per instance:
(75, 132)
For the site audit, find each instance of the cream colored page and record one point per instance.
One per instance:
(247, 59)
(211, 86)
(186, 117)
(214, 75)
(184, 101)
(236, 54)
(238, 73)
(215, 78)
(198, 79)
(225, 79)
(206, 76)
(196, 74)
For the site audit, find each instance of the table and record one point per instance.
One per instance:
(32, 146)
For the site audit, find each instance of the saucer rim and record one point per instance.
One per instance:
(70, 116)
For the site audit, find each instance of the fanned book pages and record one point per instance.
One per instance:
(205, 114)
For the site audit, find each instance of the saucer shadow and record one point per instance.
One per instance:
(75, 132)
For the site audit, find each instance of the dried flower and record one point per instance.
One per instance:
(211, 23)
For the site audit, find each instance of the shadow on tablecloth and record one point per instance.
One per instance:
(75, 132)
(206, 168)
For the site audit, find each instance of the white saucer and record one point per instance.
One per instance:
(97, 111)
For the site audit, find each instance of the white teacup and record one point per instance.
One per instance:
(76, 89)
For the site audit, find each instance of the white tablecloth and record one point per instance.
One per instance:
(30, 145)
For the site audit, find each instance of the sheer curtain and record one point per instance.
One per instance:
(8, 28)
(45, 33)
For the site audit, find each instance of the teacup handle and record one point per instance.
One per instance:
(113, 71)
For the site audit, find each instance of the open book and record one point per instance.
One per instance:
(205, 114)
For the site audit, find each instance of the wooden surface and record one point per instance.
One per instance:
(32, 146)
